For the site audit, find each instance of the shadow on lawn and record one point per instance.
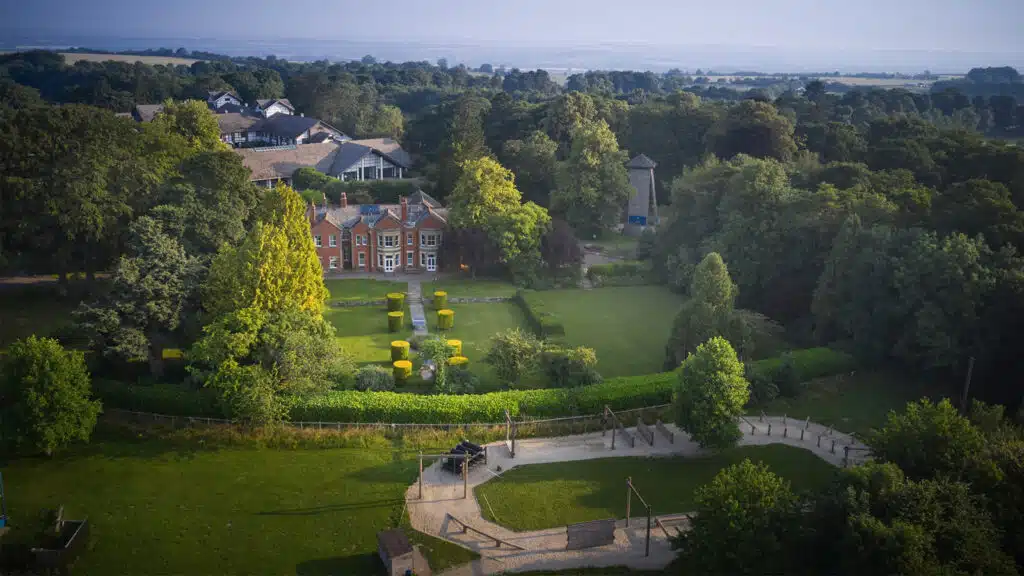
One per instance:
(364, 564)
(330, 508)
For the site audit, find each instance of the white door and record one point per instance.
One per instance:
(389, 263)
(431, 262)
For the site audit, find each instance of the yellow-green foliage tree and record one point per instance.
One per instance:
(193, 120)
(276, 266)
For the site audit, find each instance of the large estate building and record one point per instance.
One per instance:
(404, 237)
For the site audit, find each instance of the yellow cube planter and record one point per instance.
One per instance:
(399, 350)
(440, 300)
(445, 319)
(402, 369)
(456, 346)
(458, 361)
(395, 321)
(396, 301)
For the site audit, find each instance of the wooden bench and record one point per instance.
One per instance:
(644, 431)
(590, 534)
(629, 437)
(665, 432)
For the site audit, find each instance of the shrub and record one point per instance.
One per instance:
(544, 323)
(396, 301)
(440, 300)
(395, 321)
(791, 370)
(456, 347)
(513, 353)
(416, 341)
(462, 381)
(458, 361)
(619, 274)
(762, 388)
(445, 319)
(375, 379)
(402, 369)
(645, 244)
(570, 367)
(399, 350)
(711, 395)
(45, 397)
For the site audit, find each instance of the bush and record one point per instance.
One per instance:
(456, 347)
(458, 361)
(513, 353)
(445, 319)
(645, 245)
(544, 323)
(395, 321)
(619, 274)
(402, 369)
(762, 388)
(416, 341)
(789, 371)
(440, 300)
(396, 302)
(399, 350)
(375, 379)
(462, 381)
(570, 367)
(171, 399)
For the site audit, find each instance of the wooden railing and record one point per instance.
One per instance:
(497, 541)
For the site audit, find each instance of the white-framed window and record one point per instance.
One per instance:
(380, 241)
(380, 259)
(362, 260)
(429, 240)
(423, 259)
(334, 261)
(390, 241)
(332, 241)
(359, 240)
(409, 239)
(408, 258)
(317, 241)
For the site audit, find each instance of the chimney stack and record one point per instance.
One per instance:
(311, 213)
(405, 208)
(344, 200)
(325, 201)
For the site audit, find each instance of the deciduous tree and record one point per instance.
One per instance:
(593, 187)
(711, 395)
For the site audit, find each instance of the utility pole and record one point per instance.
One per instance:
(967, 385)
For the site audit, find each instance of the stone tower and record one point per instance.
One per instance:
(642, 209)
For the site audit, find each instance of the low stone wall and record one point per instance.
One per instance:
(356, 303)
(451, 300)
(479, 299)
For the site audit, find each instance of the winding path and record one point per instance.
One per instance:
(545, 549)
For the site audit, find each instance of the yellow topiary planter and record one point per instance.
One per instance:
(456, 346)
(402, 369)
(396, 301)
(458, 361)
(445, 319)
(440, 300)
(399, 350)
(395, 321)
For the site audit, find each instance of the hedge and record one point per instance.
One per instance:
(396, 301)
(445, 319)
(395, 321)
(807, 364)
(456, 347)
(440, 300)
(544, 323)
(399, 350)
(355, 406)
(619, 274)
(458, 361)
(402, 370)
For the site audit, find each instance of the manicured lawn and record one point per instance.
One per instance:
(467, 287)
(158, 510)
(617, 245)
(362, 289)
(474, 325)
(628, 327)
(548, 495)
(852, 404)
(363, 331)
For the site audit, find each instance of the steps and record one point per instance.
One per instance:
(419, 318)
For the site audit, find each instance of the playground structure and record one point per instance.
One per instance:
(457, 461)
(630, 491)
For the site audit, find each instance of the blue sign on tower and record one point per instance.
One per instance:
(638, 220)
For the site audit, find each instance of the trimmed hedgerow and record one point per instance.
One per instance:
(543, 322)
(440, 300)
(790, 370)
(159, 398)
(458, 361)
(396, 301)
(399, 350)
(402, 369)
(395, 321)
(619, 274)
(445, 319)
(456, 347)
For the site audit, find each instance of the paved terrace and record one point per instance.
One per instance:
(545, 549)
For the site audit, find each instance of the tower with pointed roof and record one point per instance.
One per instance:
(642, 209)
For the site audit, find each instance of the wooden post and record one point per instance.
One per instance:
(647, 548)
(833, 446)
(629, 494)
(421, 474)
(465, 477)
(769, 428)
(967, 386)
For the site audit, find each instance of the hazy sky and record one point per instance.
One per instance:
(955, 25)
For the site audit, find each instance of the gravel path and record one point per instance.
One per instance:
(419, 318)
(545, 549)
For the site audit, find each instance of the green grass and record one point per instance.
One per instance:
(156, 509)
(628, 326)
(362, 289)
(32, 310)
(852, 404)
(542, 496)
(616, 245)
(469, 288)
(474, 325)
(363, 332)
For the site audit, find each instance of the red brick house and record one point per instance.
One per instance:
(404, 237)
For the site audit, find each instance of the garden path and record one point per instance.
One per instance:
(419, 318)
(545, 549)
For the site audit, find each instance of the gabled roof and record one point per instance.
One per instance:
(231, 122)
(319, 137)
(230, 108)
(390, 148)
(283, 161)
(146, 112)
(268, 102)
(643, 162)
(286, 125)
(348, 154)
(215, 94)
(421, 197)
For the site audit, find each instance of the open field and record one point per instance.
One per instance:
(356, 289)
(469, 288)
(851, 403)
(156, 509)
(627, 326)
(71, 57)
(542, 496)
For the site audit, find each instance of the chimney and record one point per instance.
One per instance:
(344, 200)
(311, 213)
(325, 201)
(405, 208)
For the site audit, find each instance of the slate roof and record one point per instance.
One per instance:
(285, 125)
(267, 102)
(393, 543)
(231, 122)
(421, 197)
(283, 161)
(643, 162)
(352, 214)
(146, 112)
(390, 148)
(348, 154)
